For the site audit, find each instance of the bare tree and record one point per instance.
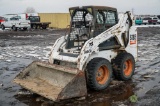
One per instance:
(30, 10)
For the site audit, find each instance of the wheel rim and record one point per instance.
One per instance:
(102, 75)
(127, 68)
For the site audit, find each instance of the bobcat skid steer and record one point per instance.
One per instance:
(97, 46)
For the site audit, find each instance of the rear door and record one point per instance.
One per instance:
(12, 21)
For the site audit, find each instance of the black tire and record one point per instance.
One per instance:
(44, 27)
(98, 74)
(14, 28)
(3, 27)
(123, 66)
(34, 26)
(24, 29)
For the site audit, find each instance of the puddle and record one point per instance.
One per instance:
(104, 98)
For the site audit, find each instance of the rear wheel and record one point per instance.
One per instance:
(123, 66)
(14, 28)
(99, 74)
(44, 27)
(3, 27)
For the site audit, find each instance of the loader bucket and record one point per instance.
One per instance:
(52, 81)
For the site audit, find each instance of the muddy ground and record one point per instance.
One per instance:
(18, 49)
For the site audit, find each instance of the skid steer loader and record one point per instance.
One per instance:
(97, 46)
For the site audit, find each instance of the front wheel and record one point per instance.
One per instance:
(34, 26)
(98, 74)
(123, 66)
(24, 29)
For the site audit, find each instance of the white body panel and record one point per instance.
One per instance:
(145, 21)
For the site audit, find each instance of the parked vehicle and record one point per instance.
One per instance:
(154, 20)
(35, 22)
(138, 21)
(145, 21)
(1, 20)
(158, 21)
(149, 20)
(15, 23)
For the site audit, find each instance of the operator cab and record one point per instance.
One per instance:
(87, 22)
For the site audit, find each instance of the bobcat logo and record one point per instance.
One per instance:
(133, 39)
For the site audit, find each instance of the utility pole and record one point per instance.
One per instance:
(133, 11)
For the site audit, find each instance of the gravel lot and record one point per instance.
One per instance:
(18, 49)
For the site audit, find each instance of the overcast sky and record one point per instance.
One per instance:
(55, 6)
